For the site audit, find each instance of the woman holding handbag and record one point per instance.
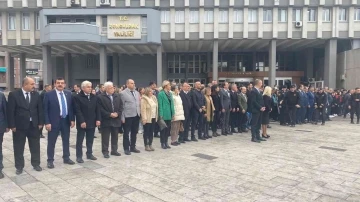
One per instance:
(179, 116)
(149, 115)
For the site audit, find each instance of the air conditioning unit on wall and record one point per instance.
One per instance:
(298, 24)
(104, 2)
(75, 2)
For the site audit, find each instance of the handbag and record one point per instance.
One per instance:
(162, 124)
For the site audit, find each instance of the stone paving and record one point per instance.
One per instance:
(291, 166)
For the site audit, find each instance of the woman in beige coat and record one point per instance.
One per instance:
(149, 114)
(209, 113)
(178, 117)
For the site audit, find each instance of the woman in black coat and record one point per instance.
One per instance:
(268, 109)
(216, 101)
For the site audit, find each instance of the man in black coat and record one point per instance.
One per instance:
(292, 100)
(187, 106)
(3, 128)
(111, 108)
(257, 108)
(197, 112)
(25, 117)
(47, 88)
(320, 106)
(354, 105)
(234, 114)
(225, 101)
(87, 119)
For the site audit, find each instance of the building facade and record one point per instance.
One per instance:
(181, 40)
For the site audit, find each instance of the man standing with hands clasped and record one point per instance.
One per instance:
(257, 108)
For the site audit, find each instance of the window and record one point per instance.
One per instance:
(209, 16)
(342, 14)
(65, 20)
(311, 15)
(252, 15)
(197, 64)
(25, 21)
(176, 64)
(297, 14)
(93, 21)
(223, 16)
(326, 15)
(36, 65)
(12, 21)
(80, 20)
(357, 14)
(104, 21)
(51, 20)
(282, 15)
(194, 16)
(179, 16)
(267, 15)
(143, 25)
(37, 21)
(165, 16)
(238, 16)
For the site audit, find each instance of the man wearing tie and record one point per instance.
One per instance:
(25, 117)
(59, 117)
(130, 117)
(257, 108)
(225, 103)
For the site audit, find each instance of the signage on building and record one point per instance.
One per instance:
(124, 27)
(32, 72)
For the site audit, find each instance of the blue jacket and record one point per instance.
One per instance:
(311, 98)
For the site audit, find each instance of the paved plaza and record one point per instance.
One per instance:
(305, 163)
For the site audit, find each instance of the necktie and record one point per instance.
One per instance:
(132, 92)
(63, 106)
(27, 98)
(112, 101)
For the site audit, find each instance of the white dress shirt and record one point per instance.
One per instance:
(24, 93)
(59, 99)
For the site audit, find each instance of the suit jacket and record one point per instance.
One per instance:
(187, 103)
(257, 101)
(19, 111)
(216, 100)
(52, 108)
(3, 113)
(86, 110)
(42, 95)
(105, 107)
(131, 104)
(311, 98)
(225, 101)
(242, 99)
(198, 100)
(234, 100)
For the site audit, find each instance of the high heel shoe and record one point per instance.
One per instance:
(167, 146)
(267, 136)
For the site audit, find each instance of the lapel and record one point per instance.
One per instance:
(57, 99)
(32, 98)
(108, 104)
(22, 98)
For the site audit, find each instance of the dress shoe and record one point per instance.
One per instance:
(115, 153)
(42, 136)
(182, 141)
(323, 124)
(267, 136)
(253, 140)
(151, 148)
(292, 126)
(224, 134)
(147, 148)
(95, 136)
(79, 160)
(239, 130)
(163, 146)
(157, 136)
(174, 144)
(214, 135)
(268, 126)
(218, 134)
(167, 146)
(135, 150)
(1, 175)
(352, 122)
(230, 133)
(37, 168)
(127, 152)
(209, 136)
(106, 156)
(245, 131)
(202, 138)
(233, 131)
(50, 165)
(91, 157)
(261, 139)
(194, 139)
(69, 162)
(19, 171)
(187, 140)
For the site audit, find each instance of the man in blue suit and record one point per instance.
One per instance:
(59, 117)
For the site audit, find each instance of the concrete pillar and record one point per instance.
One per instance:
(115, 76)
(330, 63)
(9, 72)
(215, 70)
(67, 67)
(309, 54)
(159, 69)
(22, 67)
(253, 61)
(103, 64)
(47, 65)
(272, 63)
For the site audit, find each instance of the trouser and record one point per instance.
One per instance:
(175, 128)
(148, 132)
(131, 126)
(1, 154)
(185, 134)
(156, 130)
(81, 134)
(249, 117)
(197, 119)
(41, 130)
(225, 124)
(355, 110)
(234, 120)
(106, 132)
(292, 115)
(64, 129)
(282, 116)
(255, 126)
(346, 110)
(299, 115)
(303, 113)
(274, 114)
(310, 113)
(206, 127)
(165, 133)
(321, 111)
(243, 121)
(328, 112)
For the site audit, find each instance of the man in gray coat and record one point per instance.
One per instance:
(130, 116)
(225, 103)
(3, 128)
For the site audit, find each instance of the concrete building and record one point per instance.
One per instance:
(152, 40)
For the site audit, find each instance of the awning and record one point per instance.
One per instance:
(2, 69)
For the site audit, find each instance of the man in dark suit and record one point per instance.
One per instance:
(292, 100)
(111, 108)
(59, 117)
(87, 119)
(47, 88)
(257, 108)
(234, 114)
(76, 90)
(25, 117)
(3, 128)
(187, 106)
(242, 101)
(197, 112)
(225, 102)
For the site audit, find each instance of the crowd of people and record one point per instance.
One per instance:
(175, 111)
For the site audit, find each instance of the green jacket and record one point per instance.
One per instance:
(166, 107)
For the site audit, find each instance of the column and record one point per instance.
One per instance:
(9, 72)
(272, 63)
(159, 68)
(103, 64)
(22, 67)
(215, 70)
(330, 63)
(67, 66)
(115, 76)
(309, 63)
(47, 67)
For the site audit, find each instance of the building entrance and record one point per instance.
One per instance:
(237, 81)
